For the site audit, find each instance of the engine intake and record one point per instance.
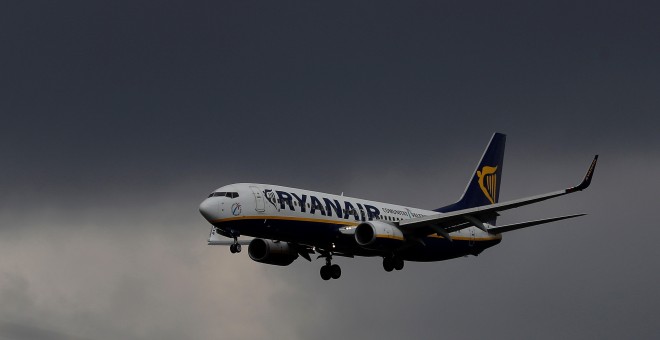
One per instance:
(271, 252)
(378, 236)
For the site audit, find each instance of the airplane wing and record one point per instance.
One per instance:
(242, 242)
(515, 226)
(445, 223)
(216, 239)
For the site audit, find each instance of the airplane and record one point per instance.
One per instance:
(287, 223)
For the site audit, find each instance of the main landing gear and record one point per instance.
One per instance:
(330, 271)
(391, 263)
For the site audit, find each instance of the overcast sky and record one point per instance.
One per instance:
(119, 117)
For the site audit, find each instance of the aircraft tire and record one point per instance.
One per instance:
(398, 264)
(232, 248)
(388, 264)
(325, 273)
(237, 247)
(335, 271)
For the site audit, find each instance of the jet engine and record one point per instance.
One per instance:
(377, 235)
(271, 252)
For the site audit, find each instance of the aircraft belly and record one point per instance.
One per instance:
(323, 234)
(303, 232)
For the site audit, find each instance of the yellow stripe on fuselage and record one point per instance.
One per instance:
(399, 238)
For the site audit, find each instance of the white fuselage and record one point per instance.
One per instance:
(310, 217)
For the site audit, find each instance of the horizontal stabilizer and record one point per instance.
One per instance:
(515, 226)
(455, 220)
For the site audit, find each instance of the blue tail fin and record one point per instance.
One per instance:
(484, 185)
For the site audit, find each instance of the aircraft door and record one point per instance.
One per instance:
(260, 205)
(472, 236)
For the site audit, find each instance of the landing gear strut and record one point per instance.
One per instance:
(235, 247)
(391, 263)
(330, 271)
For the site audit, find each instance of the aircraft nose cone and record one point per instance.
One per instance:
(207, 209)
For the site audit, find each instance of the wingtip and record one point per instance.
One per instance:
(587, 178)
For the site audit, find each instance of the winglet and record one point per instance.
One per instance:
(587, 178)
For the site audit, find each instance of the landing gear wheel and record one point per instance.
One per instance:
(237, 247)
(335, 271)
(325, 273)
(388, 264)
(398, 264)
(232, 248)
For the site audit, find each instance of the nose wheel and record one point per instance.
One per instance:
(235, 248)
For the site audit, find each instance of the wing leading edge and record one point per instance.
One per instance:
(461, 219)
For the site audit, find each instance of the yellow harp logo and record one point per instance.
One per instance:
(488, 182)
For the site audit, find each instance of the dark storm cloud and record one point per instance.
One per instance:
(155, 85)
(118, 118)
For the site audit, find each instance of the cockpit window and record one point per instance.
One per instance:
(224, 194)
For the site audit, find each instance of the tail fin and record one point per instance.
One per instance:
(484, 185)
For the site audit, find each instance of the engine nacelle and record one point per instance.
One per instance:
(270, 252)
(377, 235)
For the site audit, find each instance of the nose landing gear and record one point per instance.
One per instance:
(235, 247)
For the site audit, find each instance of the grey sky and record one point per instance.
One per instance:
(120, 117)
